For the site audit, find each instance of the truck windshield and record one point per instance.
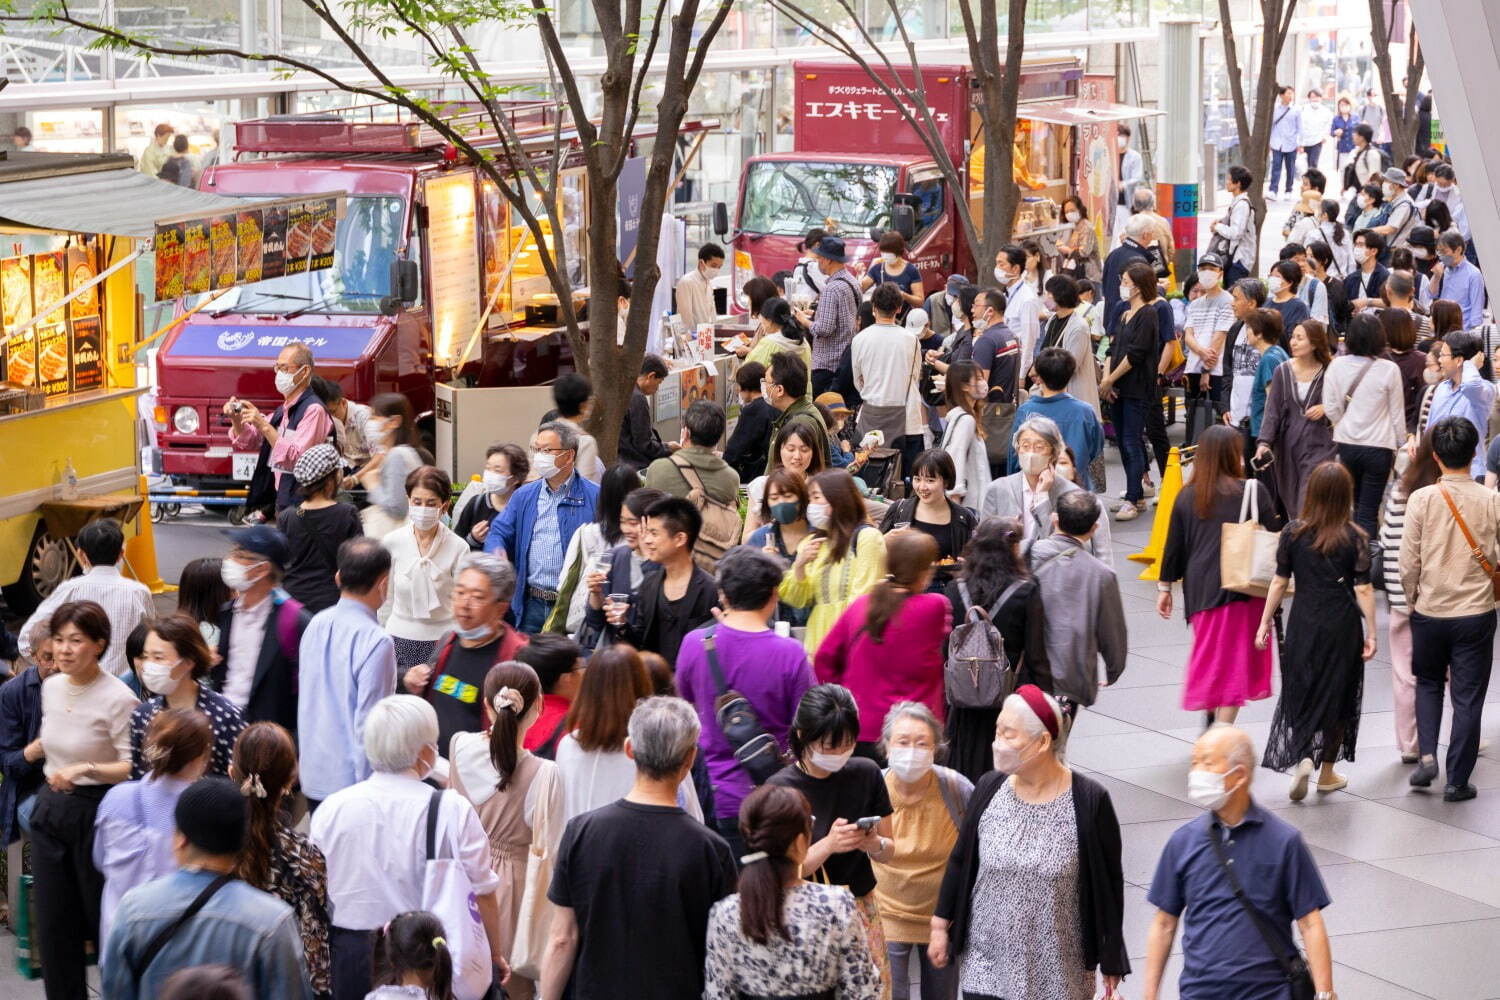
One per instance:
(364, 246)
(788, 198)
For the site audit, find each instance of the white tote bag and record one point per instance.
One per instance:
(448, 894)
(535, 923)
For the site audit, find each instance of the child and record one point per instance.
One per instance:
(412, 961)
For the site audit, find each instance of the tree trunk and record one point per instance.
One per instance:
(1255, 132)
(1401, 110)
(999, 90)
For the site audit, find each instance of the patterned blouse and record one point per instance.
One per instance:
(827, 950)
(224, 717)
(299, 878)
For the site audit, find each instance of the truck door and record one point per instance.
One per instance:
(933, 248)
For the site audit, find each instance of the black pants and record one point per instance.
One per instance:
(1370, 467)
(352, 956)
(1314, 153)
(68, 886)
(1156, 431)
(1458, 651)
(822, 381)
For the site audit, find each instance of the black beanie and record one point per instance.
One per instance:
(211, 815)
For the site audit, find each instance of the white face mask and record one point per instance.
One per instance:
(286, 382)
(890, 259)
(712, 272)
(1364, 202)
(818, 515)
(833, 762)
(422, 517)
(1033, 462)
(1275, 284)
(1126, 291)
(1420, 253)
(1431, 377)
(1361, 253)
(910, 763)
(1209, 278)
(1001, 276)
(1206, 789)
(543, 464)
(1007, 759)
(158, 677)
(1073, 216)
(1064, 473)
(494, 482)
(482, 631)
(236, 575)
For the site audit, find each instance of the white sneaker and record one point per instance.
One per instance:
(1129, 512)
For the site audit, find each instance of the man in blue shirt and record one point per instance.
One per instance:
(1462, 390)
(1455, 279)
(1225, 955)
(1286, 130)
(534, 529)
(1080, 425)
(239, 926)
(348, 663)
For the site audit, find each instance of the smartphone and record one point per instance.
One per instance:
(867, 824)
(1262, 464)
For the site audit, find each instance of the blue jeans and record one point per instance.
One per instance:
(1277, 159)
(1130, 428)
(534, 615)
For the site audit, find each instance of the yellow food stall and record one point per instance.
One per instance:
(72, 227)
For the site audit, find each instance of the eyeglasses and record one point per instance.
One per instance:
(289, 369)
(552, 451)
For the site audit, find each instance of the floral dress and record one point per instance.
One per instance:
(827, 950)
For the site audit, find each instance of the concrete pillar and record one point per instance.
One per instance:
(1180, 135)
(1461, 39)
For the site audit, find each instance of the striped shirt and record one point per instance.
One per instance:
(545, 562)
(1390, 541)
(126, 602)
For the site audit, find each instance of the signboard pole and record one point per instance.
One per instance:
(1181, 137)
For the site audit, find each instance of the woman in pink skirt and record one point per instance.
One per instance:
(1225, 669)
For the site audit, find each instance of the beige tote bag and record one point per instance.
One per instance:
(1247, 551)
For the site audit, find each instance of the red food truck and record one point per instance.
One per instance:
(431, 281)
(855, 157)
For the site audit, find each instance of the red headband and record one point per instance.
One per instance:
(1037, 700)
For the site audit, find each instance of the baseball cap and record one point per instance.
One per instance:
(263, 540)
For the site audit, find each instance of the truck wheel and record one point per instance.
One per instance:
(48, 563)
(237, 514)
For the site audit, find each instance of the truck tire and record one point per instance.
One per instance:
(237, 514)
(48, 563)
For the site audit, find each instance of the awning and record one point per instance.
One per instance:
(116, 202)
(1072, 111)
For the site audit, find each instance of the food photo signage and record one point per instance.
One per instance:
(61, 352)
(207, 253)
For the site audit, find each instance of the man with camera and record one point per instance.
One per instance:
(297, 424)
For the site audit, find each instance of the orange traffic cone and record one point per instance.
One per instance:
(1171, 485)
(140, 550)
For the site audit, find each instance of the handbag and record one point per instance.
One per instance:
(534, 924)
(1479, 555)
(448, 895)
(1293, 966)
(754, 749)
(1247, 551)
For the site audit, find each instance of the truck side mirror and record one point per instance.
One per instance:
(406, 281)
(721, 219)
(904, 220)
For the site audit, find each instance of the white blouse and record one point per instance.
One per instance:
(594, 778)
(419, 600)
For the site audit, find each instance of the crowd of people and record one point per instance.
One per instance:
(811, 742)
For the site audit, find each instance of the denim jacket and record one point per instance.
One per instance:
(510, 531)
(20, 721)
(240, 926)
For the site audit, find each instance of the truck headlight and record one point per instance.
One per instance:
(185, 420)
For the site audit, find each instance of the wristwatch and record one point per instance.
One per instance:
(1330, 995)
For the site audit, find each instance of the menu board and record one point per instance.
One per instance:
(15, 310)
(49, 284)
(292, 236)
(84, 322)
(453, 252)
(224, 241)
(198, 256)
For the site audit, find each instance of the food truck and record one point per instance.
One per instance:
(855, 157)
(428, 279)
(72, 226)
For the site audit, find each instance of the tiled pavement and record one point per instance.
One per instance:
(1415, 881)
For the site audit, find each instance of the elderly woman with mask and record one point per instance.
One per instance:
(1033, 899)
(1029, 495)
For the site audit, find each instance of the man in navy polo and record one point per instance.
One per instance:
(1225, 956)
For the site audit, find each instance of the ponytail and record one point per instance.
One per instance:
(510, 691)
(771, 819)
(778, 310)
(414, 942)
(886, 601)
(908, 556)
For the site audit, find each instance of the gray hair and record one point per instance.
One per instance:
(1252, 289)
(501, 573)
(912, 710)
(1139, 228)
(663, 732)
(1143, 200)
(567, 437)
(303, 352)
(396, 730)
(1033, 724)
(1043, 427)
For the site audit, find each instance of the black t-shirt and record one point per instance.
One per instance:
(668, 626)
(457, 689)
(612, 872)
(851, 794)
(313, 539)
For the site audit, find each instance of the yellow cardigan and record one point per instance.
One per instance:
(830, 587)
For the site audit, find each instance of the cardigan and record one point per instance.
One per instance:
(1101, 880)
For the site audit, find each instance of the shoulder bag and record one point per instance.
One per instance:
(754, 749)
(1294, 966)
(447, 893)
(139, 966)
(1479, 556)
(1354, 386)
(1247, 551)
